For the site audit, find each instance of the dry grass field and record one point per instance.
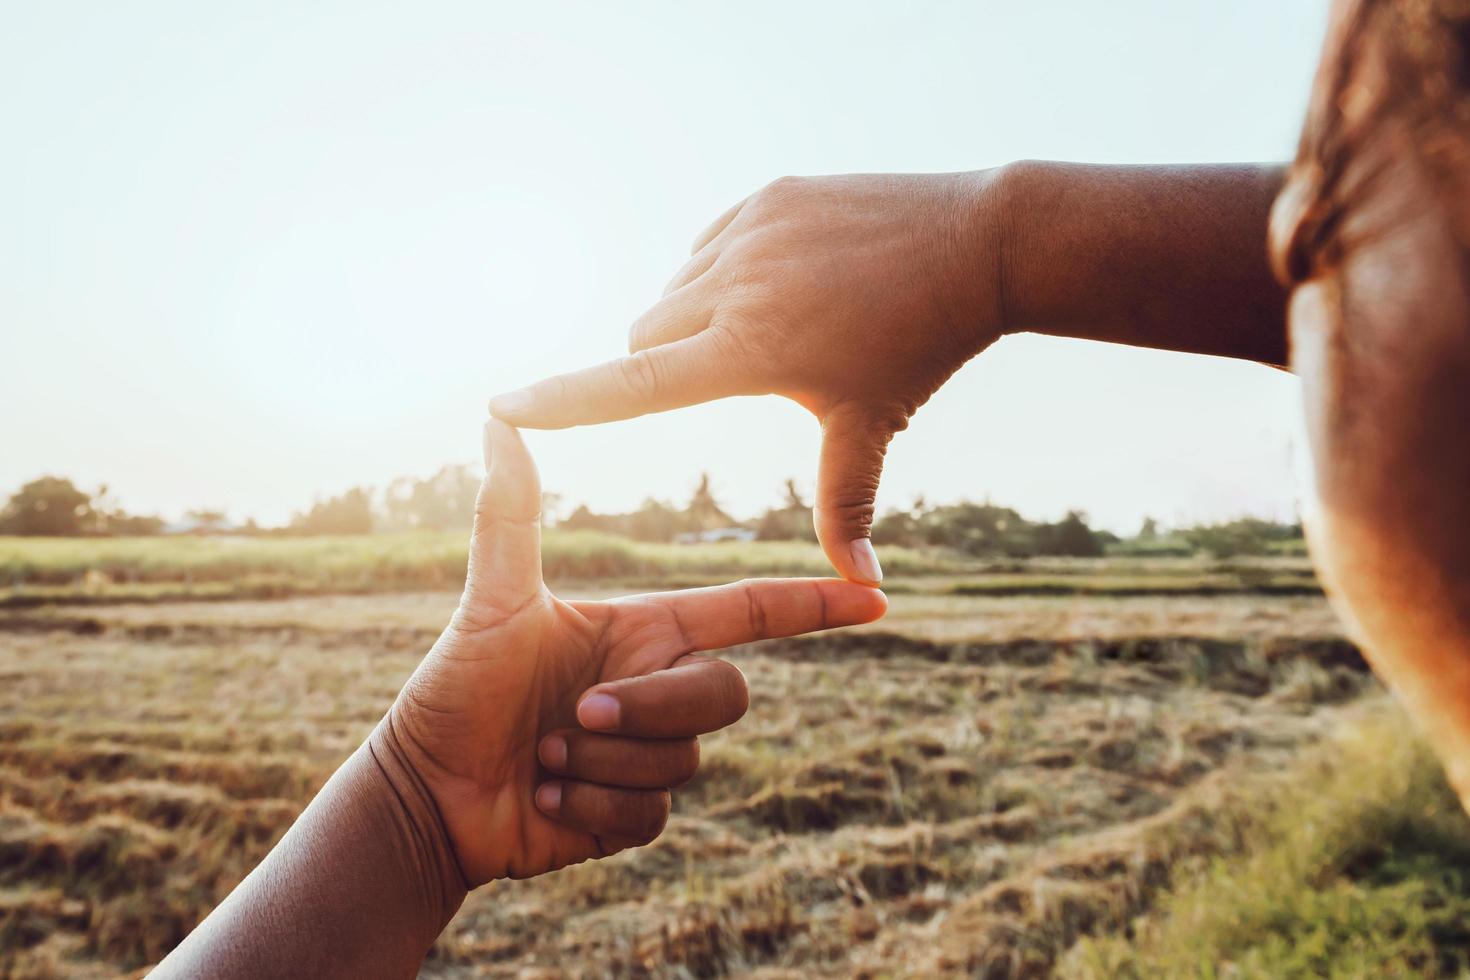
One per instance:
(982, 785)
(38, 571)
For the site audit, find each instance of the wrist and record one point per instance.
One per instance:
(421, 832)
(981, 207)
(1010, 192)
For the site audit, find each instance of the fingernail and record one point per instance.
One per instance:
(865, 560)
(511, 403)
(599, 712)
(554, 752)
(548, 797)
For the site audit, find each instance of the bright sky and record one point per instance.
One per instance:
(253, 253)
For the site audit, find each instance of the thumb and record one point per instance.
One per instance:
(505, 549)
(854, 439)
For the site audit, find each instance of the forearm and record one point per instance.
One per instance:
(360, 886)
(1170, 257)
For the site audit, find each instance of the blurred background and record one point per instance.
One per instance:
(262, 265)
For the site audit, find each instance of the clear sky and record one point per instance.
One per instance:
(253, 253)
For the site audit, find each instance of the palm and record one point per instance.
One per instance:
(531, 666)
(515, 661)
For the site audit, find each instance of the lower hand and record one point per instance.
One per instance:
(549, 732)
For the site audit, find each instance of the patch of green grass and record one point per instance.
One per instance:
(1356, 866)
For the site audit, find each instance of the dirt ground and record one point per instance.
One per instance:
(966, 787)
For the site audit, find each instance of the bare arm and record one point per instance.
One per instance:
(1166, 257)
(360, 886)
(858, 296)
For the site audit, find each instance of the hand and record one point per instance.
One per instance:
(855, 296)
(498, 701)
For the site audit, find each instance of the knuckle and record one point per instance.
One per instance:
(638, 338)
(686, 763)
(890, 421)
(484, 509)
(756, 610)
(591, 806)
(782, 188)
(553, 390)
(824, 617)
(853, 508)
(687, 273)
(639, 375)
(727, 340)
(879, 421)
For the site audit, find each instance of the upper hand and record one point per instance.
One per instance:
(609, 696)
(856, 296)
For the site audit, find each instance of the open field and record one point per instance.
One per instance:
(978, 785)
(272, 566)
(37, 571)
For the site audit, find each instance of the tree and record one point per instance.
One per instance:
(794, 499)
(131, 525)
(110, 519)
(349, 513)
(986, 531)
(584, 519)
(791, 522)
(1069, 536)
(902, 527)
(1246, 536)
(654, 521)
(443, 502)
(49, 506)
(207, 521)
(899, 527)
(983, 530)
(703, 512)
(550, 507)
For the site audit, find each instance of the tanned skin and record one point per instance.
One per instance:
(1373, 234)
(859, 296)
(537, 733)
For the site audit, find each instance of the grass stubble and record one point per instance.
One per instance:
(1060, 785)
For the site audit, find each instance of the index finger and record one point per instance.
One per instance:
(695, 696)
(686, 372)
(763, 609)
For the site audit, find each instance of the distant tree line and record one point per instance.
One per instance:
(445, 501)
(1244, 536)
(657, 520)
(53, 506)
(986, 530)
